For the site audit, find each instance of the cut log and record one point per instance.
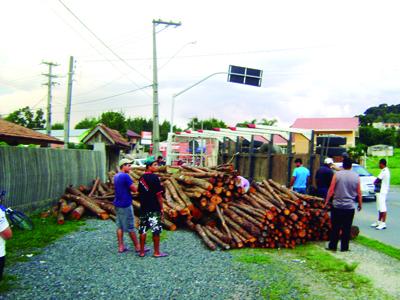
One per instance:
(223, 223)
(66, 209)
(94, 188)
(214, 238)
(167, 224)
(219, 234)
(87, 203)
(205, 238)
(78, 212)
(60, 217)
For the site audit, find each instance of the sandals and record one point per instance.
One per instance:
(145, 250)
(162, 254)
(124, 250)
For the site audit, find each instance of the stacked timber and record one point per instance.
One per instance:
(211, 202)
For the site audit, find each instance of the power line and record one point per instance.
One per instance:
(101, 41)
(112, 96)
(221, 53)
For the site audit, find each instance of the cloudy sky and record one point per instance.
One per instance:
(319, 58)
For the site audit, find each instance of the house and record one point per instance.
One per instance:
(75, 135)
(382, 125)
(346, 127)
(112, 140)
(14, 134)
(380, 150)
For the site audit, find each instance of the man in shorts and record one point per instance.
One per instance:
(384, 181)
(5, 234)
(151, 207)
(123, 184)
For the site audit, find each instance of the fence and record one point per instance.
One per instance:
(259, 166)
(36, 177)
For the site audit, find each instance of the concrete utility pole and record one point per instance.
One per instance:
(49, 84)
(156, 127)
(68, 105)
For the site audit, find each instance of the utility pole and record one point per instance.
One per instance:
(156, 127)
(68, 105)
(49, 84)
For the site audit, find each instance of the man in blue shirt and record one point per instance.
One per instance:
(123, 184)
(300, 177)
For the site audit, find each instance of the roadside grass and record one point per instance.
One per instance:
(23, 243)
(277, 280)
(378, 246)
(393, 164)
(282, 266)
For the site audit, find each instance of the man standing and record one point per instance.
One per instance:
(5, 234)
(300, 177)
(323, 177)
(160, 161)
(383, 181)
(151, 207)
(345, 188)
(123, 184)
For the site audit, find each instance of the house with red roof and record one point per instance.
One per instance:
(346, 127)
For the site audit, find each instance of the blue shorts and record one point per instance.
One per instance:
(125, 219)
(300, 190)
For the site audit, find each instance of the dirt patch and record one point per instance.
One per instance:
(384, 271)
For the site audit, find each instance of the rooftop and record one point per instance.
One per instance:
(327, 123)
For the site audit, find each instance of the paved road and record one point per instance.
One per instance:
(368, 215)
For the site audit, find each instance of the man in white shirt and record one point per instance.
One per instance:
(5, 234)
(384, 181)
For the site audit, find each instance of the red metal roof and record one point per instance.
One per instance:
(115, 136)
(327, 123)
(11, 132)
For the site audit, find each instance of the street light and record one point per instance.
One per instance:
(236, 74)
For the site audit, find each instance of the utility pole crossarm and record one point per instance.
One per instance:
(49, 84)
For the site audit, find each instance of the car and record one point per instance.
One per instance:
(366, 179)
(139, 162)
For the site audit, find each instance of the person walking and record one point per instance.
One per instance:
(5, 234)
(123, 184)
(151, 207)
(382, 185)
(300, 177)
(323, 177)
(345, 189)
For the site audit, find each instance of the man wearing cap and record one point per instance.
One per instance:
(323, 177)
(151, 207)
(123, 184)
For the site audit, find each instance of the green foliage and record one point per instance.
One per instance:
(87, 123)
(378, 246)
(263, 121)
(57, 126)
(373, 136)
(114, 120)
(27, 117)
(207, 124)
(381, 113)
(393, 163)
(357, 152)
(80, 146)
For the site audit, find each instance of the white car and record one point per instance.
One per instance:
(366, 179)
(139, 162)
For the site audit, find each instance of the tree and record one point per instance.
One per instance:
(87, 123)
(114, 120)
(263, 121)
(207, 124)
(57, 126)
(28, 118)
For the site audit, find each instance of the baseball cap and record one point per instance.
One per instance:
(328, 161)
(124, 161)
(149, 160)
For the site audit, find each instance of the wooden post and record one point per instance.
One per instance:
(312, 156)
(290, 158)
(251, 158)
(223, 149)
(236, 151)
(270, 157)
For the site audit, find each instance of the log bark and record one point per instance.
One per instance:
(215, 239)
(78, 212)
(219, 234)
(168, 225)
(246, 216)
(87, 203)
(69, 207)
(205, 238)
(94, 188)
(223, 223)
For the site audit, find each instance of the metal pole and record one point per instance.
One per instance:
(270, 157)
(69, 99)
(289, 158)
(156, 128)
(49, 84)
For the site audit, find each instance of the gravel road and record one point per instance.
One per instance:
(86, 265)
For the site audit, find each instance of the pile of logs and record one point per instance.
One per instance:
(211, 202)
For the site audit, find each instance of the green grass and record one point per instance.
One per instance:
(46, 231)
(378, 246)
(393, 165)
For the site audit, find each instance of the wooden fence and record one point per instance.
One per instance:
(36, 177)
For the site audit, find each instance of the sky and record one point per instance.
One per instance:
(319, 58)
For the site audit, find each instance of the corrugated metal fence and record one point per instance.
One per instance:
(35, 177)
